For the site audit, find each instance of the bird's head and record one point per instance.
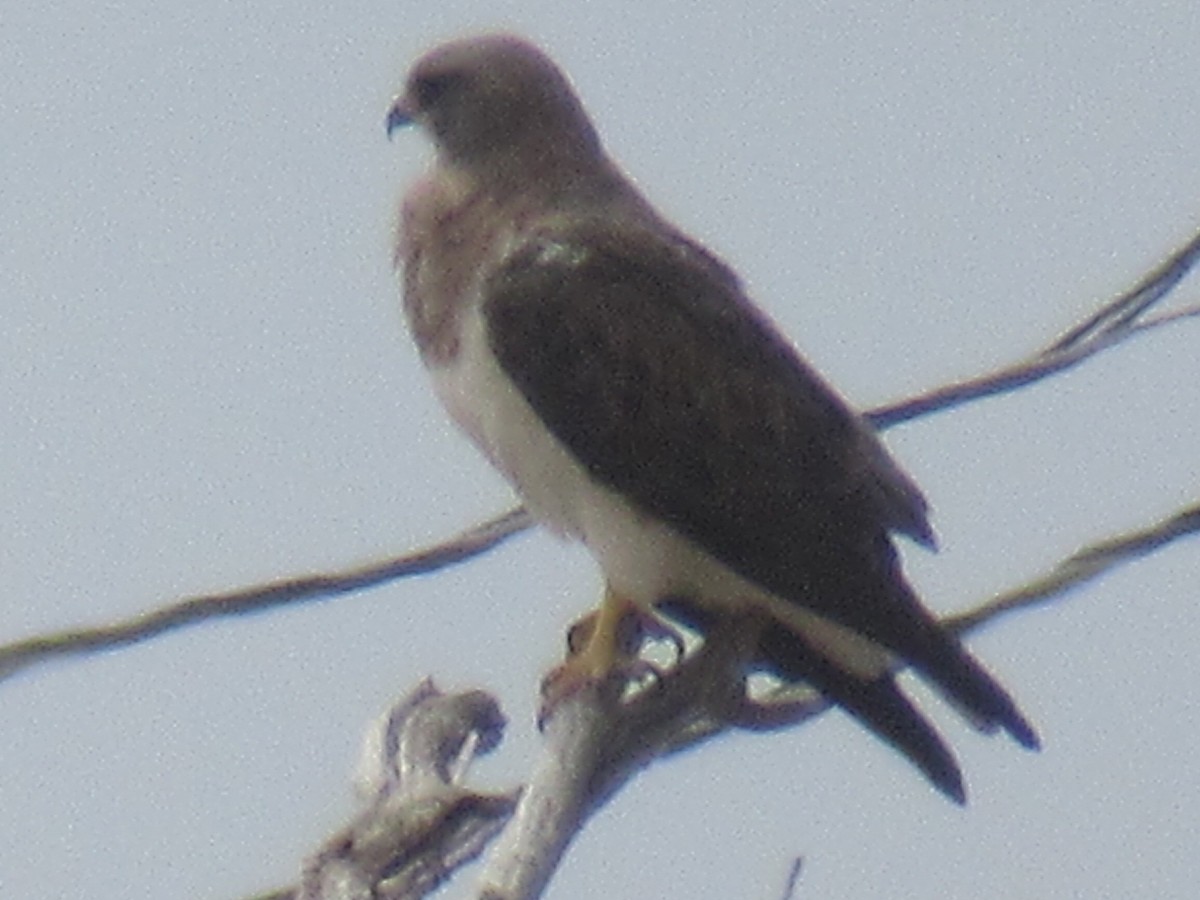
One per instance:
(494, 102)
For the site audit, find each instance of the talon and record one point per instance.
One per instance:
(605, 645)
(580, 633)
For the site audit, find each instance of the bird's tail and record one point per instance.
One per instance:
(878, 703)
(971, 689)
(905, 628)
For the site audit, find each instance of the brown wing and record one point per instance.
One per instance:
(642, 355)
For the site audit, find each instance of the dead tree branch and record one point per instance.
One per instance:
(1116, 321)
(598, 740)
(419, 822)
(17, 656)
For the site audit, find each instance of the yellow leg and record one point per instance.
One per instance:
(603, 648)
(598, 647)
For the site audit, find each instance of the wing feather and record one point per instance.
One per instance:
(642, 355)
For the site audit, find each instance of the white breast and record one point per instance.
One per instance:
(554, 486)
(640, 556)
(489, 408)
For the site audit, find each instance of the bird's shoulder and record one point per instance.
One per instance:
(573, 253)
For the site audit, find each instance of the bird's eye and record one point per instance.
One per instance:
(430, 89)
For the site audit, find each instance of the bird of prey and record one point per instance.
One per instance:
(616, 373)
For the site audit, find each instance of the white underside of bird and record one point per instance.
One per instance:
(643, 559)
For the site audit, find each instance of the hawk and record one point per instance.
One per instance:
(616, 373)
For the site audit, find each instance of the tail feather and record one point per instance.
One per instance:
(967, 684)
(900, 623)
(878, 703)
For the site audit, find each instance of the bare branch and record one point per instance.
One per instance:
(1087, 565)
(557, 801)
(1122, 312)
(791, 888)
(420, 823)
(19, 655)
(1113, 323)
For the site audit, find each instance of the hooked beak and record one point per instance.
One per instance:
(400, 115)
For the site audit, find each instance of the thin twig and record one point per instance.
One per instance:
(1126, 308)
(472, 542)
(1113, 323)
(1078, 569)
(791, 888)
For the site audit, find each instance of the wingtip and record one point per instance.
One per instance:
(1013, 721)
(1025, 735)
(955, 791)
(943, 772)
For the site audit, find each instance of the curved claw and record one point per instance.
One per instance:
(603, 646)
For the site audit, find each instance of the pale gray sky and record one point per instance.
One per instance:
(205, 382)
